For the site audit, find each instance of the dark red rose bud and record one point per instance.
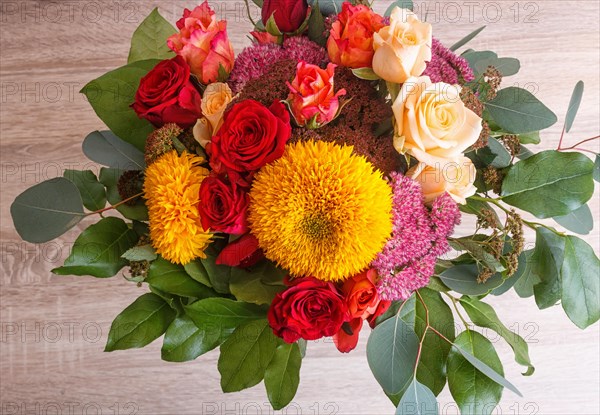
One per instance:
(288, 14)
(166, 95)
(244, 252)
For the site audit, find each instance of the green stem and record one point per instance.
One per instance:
(454, 300)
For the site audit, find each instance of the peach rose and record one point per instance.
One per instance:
(203, 131)
(312, 99)
(214, 102)
(350, 40)
(403, 48)
(202, 41)
(432, 123)
(455, 177)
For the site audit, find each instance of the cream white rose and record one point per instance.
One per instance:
(431, 122)
(455, 177)
(403, 48)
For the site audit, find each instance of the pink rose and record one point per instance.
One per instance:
(202, 41)
(312, 99)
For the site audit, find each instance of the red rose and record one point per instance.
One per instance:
(251, 136)
(363, 302)
(223, 205)
(288, 14)
(167, 95)
(308, 309)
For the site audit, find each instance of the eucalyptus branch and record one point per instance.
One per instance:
(99, 212)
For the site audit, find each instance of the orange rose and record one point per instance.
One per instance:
(202, 41)
(312, 99)
(361, 294)
(350, 40)
(363, 302)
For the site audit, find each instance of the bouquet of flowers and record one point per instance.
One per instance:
(313, 182)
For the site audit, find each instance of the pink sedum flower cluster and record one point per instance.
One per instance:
(446, 66)
(202, 41)
(419, 237)
(254, 61)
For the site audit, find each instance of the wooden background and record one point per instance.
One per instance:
(54, 328)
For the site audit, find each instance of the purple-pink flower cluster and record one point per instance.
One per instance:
(419, 237)
(446, 66)
(254, 61)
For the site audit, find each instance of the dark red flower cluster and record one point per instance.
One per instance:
(310, 309)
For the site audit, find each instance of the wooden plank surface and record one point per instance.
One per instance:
(54, 328)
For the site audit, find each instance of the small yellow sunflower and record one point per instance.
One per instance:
(320, 211)
(171, 188)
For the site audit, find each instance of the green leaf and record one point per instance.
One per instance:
(366, 74)
(183, 341)
(47, 210)
(480, 60)
(219, 275)
(403, 4)
(417, 399)
(282, 375)
(405, 308)
(579, 221)
(466, 39)
(471, 361)
(530, 138)
(550, 183)
(97, 251)
(142, 322)
(432, 363)
(173, 279)
(522, 270)
(259, 285)
(328, 7)
(546, 262)
(392, 354)
(477, 251)
(111, 96)
(220, 316)
(140, 253)
(149, 40)
(91, 190)
(246, 354)
(462, 278)
(107, 149)
(528, 279)
(483, 315)
(110, 178)
(196, 270)
(316, 25)
(516, 110)
(580, 274)
(574, 103)
(494, 154)
(596, 173)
